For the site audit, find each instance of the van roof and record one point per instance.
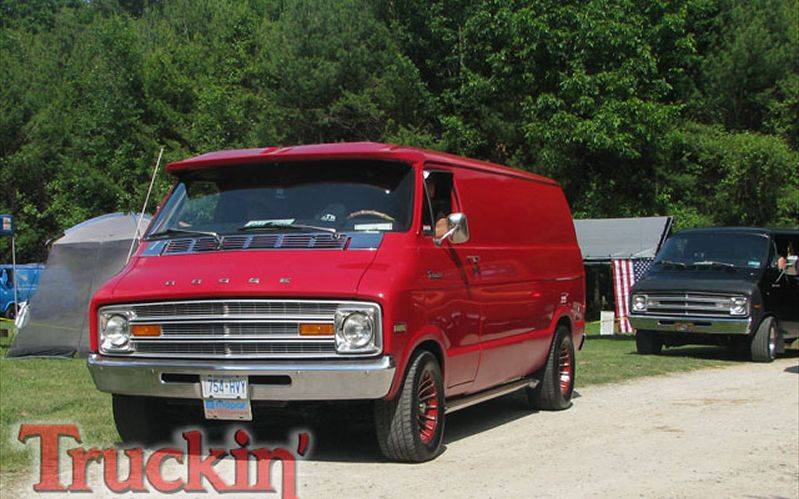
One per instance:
(343, 150)
(750, 230)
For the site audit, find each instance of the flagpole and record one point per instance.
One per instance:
(14, 272)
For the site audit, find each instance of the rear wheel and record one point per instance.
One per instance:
(765, 341)
(556, 378)
(411, 426)
(141, 420)
(648, 342)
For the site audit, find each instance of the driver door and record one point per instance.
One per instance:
(782, 287)
(445, 279)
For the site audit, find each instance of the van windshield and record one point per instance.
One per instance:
(719, 249)
(325, 195)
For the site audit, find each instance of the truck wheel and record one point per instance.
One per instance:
(764, 342)
(648, 342)
(10, 313)
(140, 420)
(556, 378)
(411, 426)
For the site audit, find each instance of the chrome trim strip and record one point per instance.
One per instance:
(330, 380)
(475, 398)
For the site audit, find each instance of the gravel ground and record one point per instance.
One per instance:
(718, 432)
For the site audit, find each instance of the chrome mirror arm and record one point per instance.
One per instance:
(440, 240)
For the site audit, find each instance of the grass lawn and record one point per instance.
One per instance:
(61, 391)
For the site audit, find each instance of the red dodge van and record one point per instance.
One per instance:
(421, 281)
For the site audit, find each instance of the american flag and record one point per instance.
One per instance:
(626, 273)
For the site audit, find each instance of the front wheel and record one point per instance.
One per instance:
(410, 427)
(556, 378)
(764, 342)
(648, 343)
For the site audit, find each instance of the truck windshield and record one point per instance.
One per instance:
(720, 249)
(299, 197)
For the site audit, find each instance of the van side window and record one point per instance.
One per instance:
(438, 202)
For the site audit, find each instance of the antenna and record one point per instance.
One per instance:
(144, 208)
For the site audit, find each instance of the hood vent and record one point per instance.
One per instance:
(256, 241)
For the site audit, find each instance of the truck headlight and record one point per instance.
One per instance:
(114, 332)
(357, 330)
(639, 303)
(739, 305)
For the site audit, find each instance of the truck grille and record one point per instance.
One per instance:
(235, 328)
(689, 304)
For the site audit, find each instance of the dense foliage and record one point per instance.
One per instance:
(682, 107)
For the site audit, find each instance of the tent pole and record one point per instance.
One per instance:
(14, 272)
(144, 208)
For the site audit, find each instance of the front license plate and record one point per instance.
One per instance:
(684, 327)
(231, 409)
(224, 387)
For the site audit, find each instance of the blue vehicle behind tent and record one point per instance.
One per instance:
(27, 277)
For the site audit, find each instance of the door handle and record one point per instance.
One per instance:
(474, 260)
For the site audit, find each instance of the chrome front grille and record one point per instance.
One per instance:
(236, 309)
(232, 349)
(235, 328)
(253, 330)
(688, 304)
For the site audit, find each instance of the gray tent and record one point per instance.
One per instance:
(85, 257)
(605, 239)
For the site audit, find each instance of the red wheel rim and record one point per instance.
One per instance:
(427, 407)
(566, 368)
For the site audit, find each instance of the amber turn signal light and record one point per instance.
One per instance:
(145, 330)
(316, 329)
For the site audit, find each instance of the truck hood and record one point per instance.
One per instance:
(742, 281)
(300, 273)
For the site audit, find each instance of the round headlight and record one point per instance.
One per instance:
(639, 303)
(739, 305)
(356, 331)
(115, 333)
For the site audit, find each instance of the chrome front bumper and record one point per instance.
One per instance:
(306, 380)
(682, 324)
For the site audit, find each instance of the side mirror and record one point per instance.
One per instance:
(457, 231)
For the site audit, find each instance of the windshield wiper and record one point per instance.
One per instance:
(282, 226)
(189, 232)
(669, 262)
(713, 263)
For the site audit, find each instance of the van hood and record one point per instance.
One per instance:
(742, 281)
(289, 273)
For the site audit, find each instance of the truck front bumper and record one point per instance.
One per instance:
(682, 324)
(277, 380)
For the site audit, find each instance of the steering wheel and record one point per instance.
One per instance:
(370, 213)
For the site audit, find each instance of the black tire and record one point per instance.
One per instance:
(10, 313)
(141, 420)
(552, 392)
(397, 424)
(648, 342)
(765, 341)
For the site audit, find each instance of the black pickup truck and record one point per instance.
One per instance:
(736, 287)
